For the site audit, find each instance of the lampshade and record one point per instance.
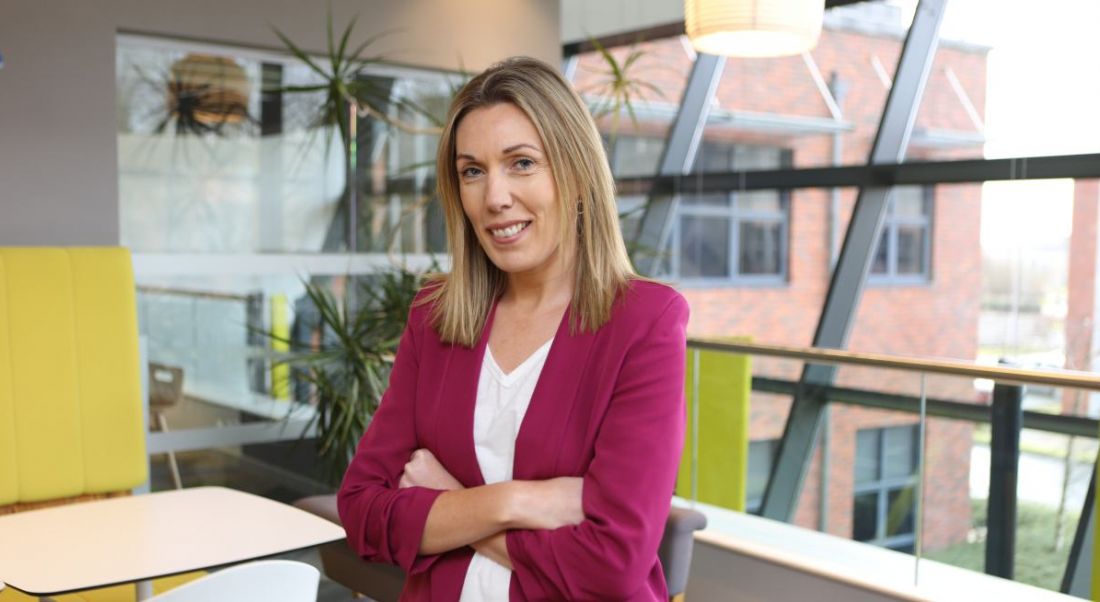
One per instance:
(753, 28)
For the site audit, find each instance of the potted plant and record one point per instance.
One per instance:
(345, 369)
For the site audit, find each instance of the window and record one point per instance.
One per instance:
(635, 156)
(885, 487)
(736, 237)
(213, 158)
(761, 460)
(740, 236)
(904, 249)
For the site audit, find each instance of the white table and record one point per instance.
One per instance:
(138, 538)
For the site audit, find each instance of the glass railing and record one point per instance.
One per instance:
(950, 462)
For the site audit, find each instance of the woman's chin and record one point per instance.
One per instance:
(513, 267)
(513, 264)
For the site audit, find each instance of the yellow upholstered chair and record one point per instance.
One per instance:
(71, 426)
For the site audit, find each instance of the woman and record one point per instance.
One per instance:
(528, 443)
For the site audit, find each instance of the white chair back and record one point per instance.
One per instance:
(263, 581)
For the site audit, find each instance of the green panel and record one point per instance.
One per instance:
(725, 382)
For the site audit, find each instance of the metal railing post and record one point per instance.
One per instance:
(695, 425)
(1007, 418)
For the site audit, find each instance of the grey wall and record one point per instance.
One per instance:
(583, 19)
(58, 160)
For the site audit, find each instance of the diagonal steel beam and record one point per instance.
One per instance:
(1078, 579)
(846, 287)
(678, 156)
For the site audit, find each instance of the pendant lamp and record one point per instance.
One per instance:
(753, 28)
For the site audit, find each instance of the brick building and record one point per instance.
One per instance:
(1082, 328)
(758, 264)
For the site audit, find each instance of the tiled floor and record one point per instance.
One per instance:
(228, 468)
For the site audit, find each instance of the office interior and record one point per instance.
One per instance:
(888, 242)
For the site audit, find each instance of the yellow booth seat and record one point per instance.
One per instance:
(71, 423)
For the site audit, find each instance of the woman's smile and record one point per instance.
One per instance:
(509, 232)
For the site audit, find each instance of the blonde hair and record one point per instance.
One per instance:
(585, 189)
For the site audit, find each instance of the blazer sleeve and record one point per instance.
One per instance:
(385, 523)
(628, 487)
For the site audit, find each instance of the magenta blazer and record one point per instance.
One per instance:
(608, 407)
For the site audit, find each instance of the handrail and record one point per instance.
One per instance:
(1061, 378)
(183, 292)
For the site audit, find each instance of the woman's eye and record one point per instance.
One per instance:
(469, 172)
(525, 164)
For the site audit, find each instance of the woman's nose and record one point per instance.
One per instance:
(498, 195)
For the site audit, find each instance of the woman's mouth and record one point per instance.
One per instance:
(509, 231)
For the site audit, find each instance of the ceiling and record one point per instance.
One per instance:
(582, 20)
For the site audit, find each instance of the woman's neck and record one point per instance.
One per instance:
(533, 292)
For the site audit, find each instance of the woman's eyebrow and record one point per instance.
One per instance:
(516, 147)
(507, 151)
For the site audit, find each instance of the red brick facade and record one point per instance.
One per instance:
(937, 318)
(1081, 305)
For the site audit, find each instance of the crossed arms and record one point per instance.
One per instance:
(589, 537)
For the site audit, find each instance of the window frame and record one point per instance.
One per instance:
(753, 505)
(890, 226)
(736, 217)
(882, 487)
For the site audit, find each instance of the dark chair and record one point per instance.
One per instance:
(165, 391)
(383, 582)
(676, 546)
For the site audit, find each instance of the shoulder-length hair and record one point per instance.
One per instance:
(586, 197)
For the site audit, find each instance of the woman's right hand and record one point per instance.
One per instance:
(424, 470)
(550, 504)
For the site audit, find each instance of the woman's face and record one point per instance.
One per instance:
(508, 190)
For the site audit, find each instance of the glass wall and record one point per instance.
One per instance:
(224, 150)
(1027, 95)
(236, 191)
(1000, 272)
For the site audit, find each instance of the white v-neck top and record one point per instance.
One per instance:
(501, 404)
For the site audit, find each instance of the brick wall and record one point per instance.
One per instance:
(1080, 317)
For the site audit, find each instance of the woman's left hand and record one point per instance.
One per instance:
(424, 470)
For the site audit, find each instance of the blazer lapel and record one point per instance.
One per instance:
(552, 403)
(458, 395)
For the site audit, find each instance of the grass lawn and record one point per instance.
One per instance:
(1037, 562)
